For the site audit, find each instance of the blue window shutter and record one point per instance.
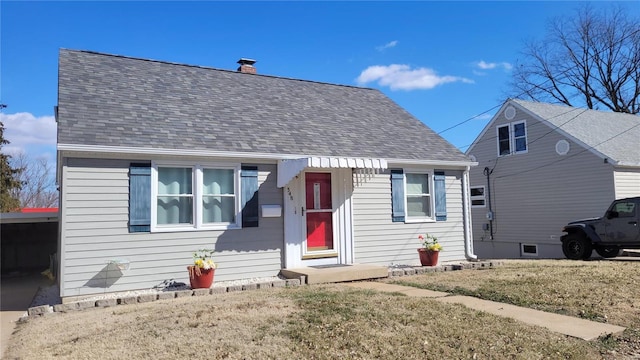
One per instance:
(249, 190)
(440, 190)
(397, 196)
(140, 198)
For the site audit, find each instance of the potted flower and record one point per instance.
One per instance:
(202, 270)
(429, 250)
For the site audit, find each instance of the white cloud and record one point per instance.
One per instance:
(483, 65)
(483, 117)
(402, 77)
(388, 45)
(27, 133)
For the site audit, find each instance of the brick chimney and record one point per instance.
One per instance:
(246, 66)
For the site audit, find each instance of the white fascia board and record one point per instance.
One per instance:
(19, 218)
(236, 155)
(625, 164)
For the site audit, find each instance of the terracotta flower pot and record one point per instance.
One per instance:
(200, 278)
(428, 257)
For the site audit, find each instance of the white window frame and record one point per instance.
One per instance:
(482, 197)
(432, 202)
(512, 138)
(523, 253)
(498, 138)
(198, 188)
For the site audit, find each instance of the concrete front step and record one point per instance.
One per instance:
(336, 273)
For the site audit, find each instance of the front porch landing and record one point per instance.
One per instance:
(335, 273)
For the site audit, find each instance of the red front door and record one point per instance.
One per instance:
(319, 212)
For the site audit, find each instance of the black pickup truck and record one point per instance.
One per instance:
(618, 229)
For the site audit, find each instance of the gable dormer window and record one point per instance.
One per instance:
(512, 138)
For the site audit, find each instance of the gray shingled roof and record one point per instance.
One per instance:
(109, 100)
(614, 135)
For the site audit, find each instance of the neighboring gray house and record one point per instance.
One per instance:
(158, 159)
(544, 165)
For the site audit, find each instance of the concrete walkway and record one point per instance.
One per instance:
(16, 294)
(567, 325)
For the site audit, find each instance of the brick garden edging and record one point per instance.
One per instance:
(396, 271)
(143, 298)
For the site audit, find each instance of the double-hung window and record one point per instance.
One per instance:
(504, 140)
(520, 137)
(195, 197)
(175, 196)
(512, 138)
(218, 196)
(418, 195)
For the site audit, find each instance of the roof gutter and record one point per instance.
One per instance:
(433, 162)
(466, 209)
(626, 165)
(238, 155)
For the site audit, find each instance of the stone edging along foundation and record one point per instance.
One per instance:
(395, 271)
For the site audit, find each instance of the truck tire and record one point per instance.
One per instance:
(577, 247)
(608, 251)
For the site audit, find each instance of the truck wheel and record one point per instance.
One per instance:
(608, 251)
(576, 247)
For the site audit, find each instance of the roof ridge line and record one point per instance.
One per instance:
(213, 68)
(560, 105)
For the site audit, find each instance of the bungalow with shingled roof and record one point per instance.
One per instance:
(158, 159)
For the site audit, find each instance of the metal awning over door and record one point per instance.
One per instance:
(290, 168)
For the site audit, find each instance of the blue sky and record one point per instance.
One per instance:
(444, 62)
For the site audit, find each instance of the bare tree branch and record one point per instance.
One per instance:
(39, 187)
(591, 59)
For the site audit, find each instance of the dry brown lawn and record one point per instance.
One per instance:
(333, 321)
(598, 290)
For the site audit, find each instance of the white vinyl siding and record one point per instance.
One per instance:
(94, 230)
(379, 240)
(627, 182)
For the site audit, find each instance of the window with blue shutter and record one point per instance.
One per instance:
(249, 191)
(397, 196)
(440, 191)
(140, 198)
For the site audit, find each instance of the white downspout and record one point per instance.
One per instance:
(466, 209)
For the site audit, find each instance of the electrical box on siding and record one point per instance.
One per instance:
(271, 211)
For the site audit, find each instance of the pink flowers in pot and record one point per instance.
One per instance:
(430, 242)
